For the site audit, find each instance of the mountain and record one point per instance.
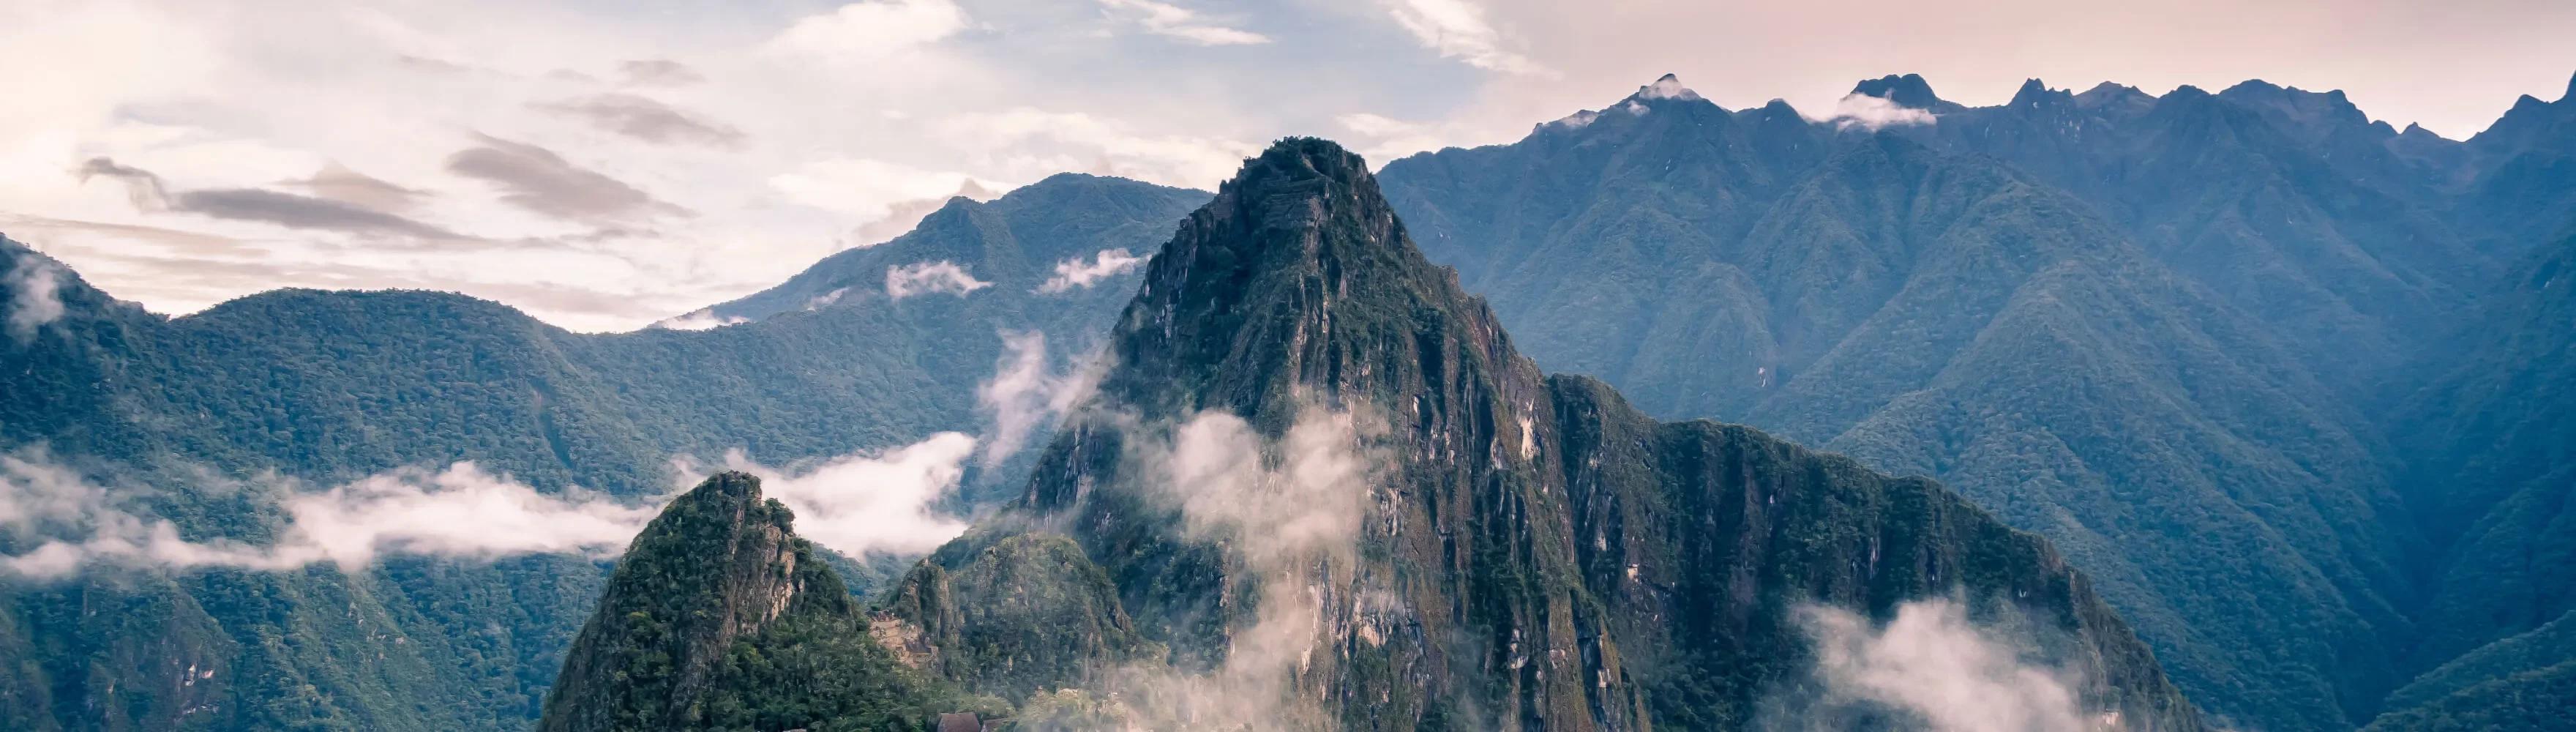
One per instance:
(331, 387)
(720, 617)
(1931, 309)
(2522, 179)
(1321, 476)
(2526, 682)
(1068, 223)
(2495, 424)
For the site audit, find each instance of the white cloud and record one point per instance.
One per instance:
(35, 296)
(818, 302)
(1291, 509)
(870, 502)
(1178, 22)
(922, 277)
(1073, 273)
(460, 511)
(1865, 112)
(700, 319)
(1458, 29)
(457, 512)
(1023, 393)
(864, 31)
(1667, 87)
(1930, 663)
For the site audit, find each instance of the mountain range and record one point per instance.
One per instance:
(2158, 330)
(1319, 480)
(2282, 382)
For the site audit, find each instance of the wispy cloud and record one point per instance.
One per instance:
(1024, 392)
(1458, 29)
(35, 297)
(460, 511)
(867, 30)
(647, 119)
(1074, 273)
(1864, 112)
(1165, 19)
(1290, 509)
(884, 501)
(149, 193)
(339, 183)
(1930, 664)
(925, 277)
(659, 72)
(700, 319)
(537, 179)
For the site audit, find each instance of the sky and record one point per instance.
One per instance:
(604, 165)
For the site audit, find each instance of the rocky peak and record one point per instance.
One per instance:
(2034, 94)
(1909, 91)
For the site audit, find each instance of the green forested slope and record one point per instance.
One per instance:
(332, 386)
(1938, 313)
(720, 618)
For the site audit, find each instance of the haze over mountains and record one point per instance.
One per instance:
(2286, 385)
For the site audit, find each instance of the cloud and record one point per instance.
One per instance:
(818, 302)
(1865, 112)
(700, 319)
(337, 182)
(1073, 273)
(537, 179)
(868, 30)
(871, 502)
(940, 276)
(659, 72)
(1458, 29)
(150, 194)
(35, 298)
(1290, 510)
(1932, 665)
(645, 119)
(1280, 511)
(460, 511)
(143, 188)
(1023, 393)
(1165, 19)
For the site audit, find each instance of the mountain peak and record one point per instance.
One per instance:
(1909, 90)
(1667, 86)
(2034, 93)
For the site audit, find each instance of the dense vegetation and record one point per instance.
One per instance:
(331, 386)
(720, 618)
(2165, 332)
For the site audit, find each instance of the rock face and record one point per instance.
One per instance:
(1320, 472)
